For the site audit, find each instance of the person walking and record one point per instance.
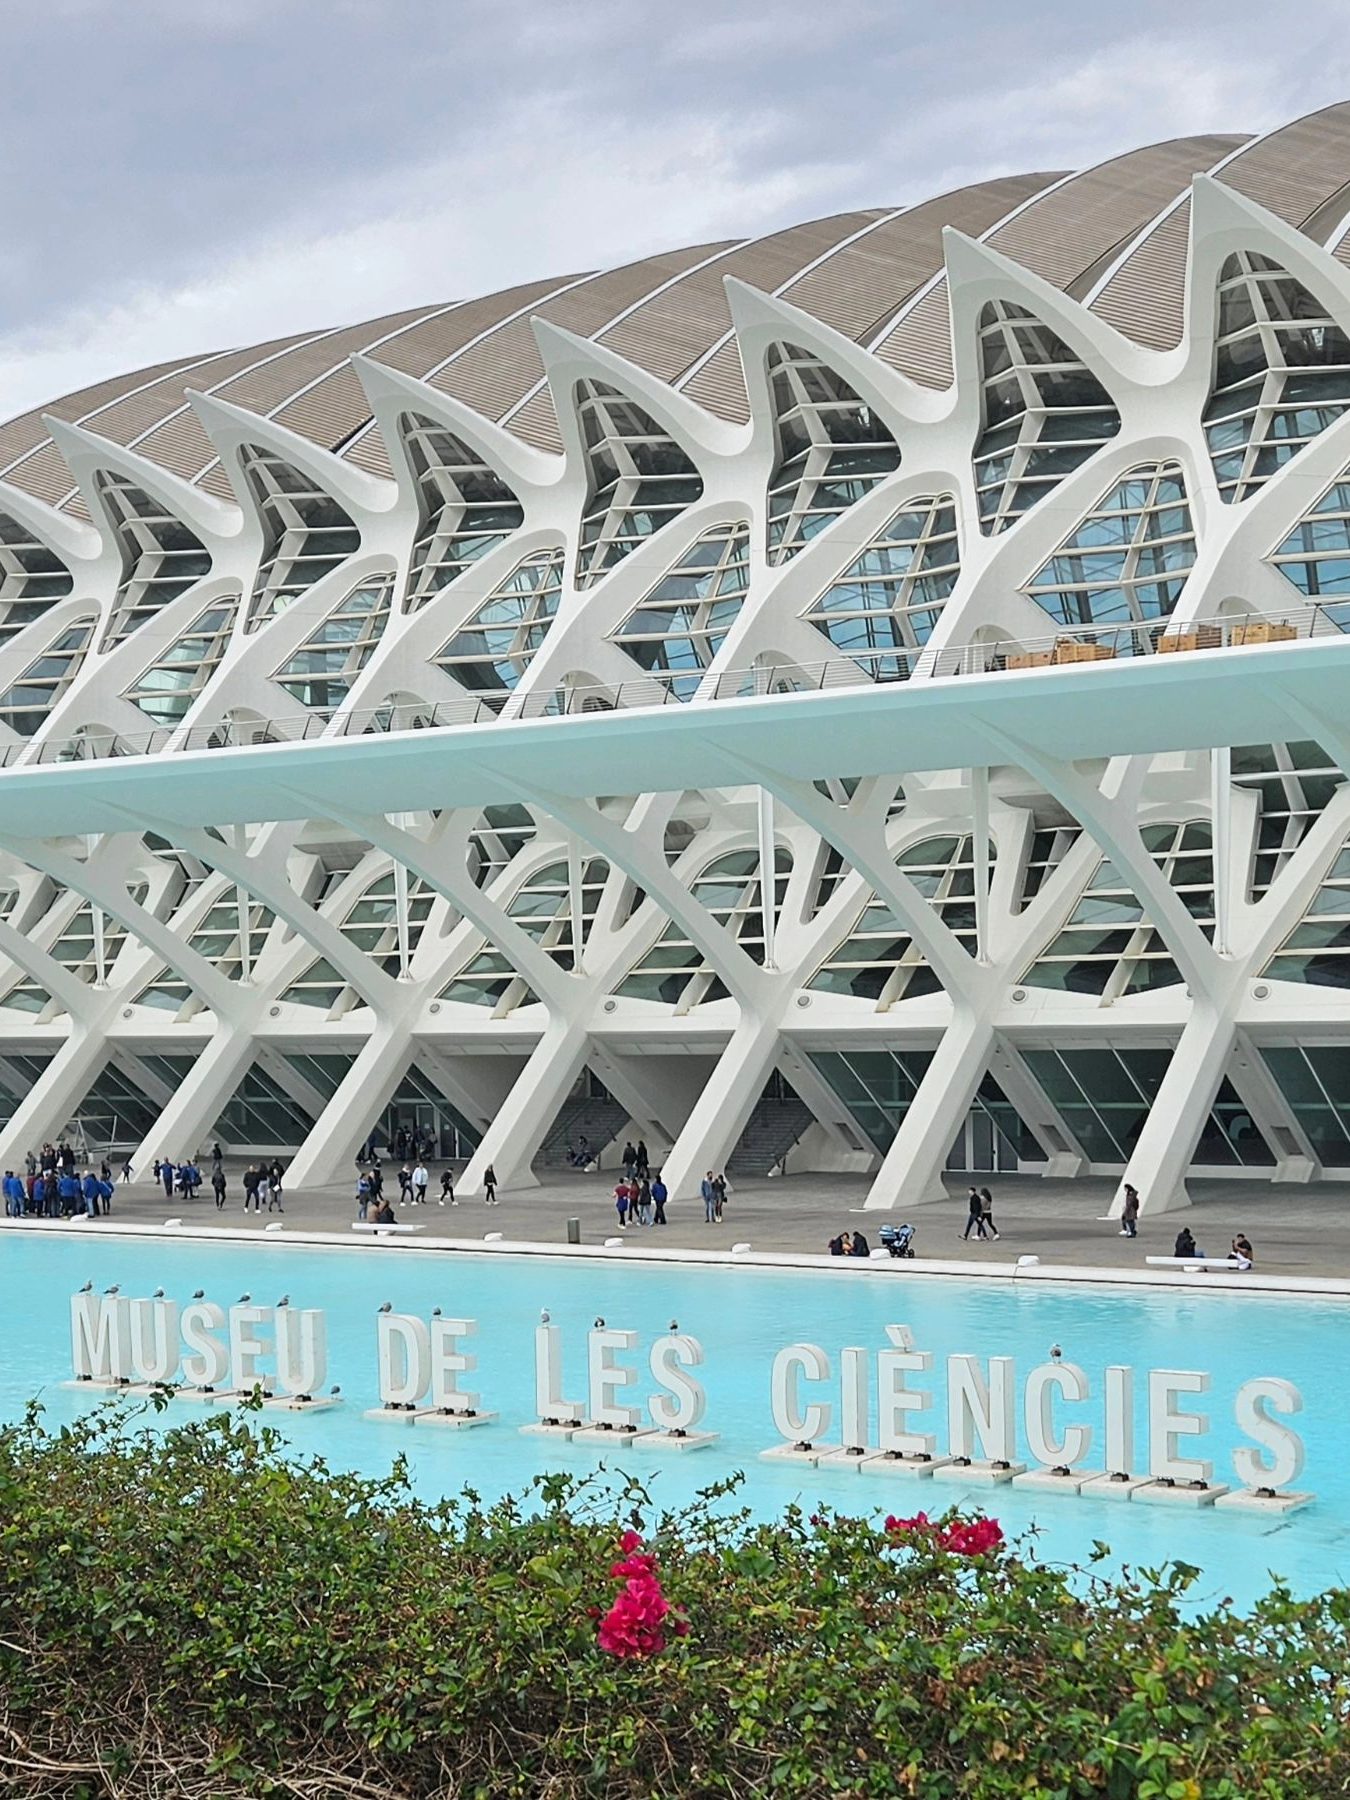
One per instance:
(641, 1166)
(708, 1189)
(987, 1212)
(404, 1184)
(420, 1179)
(252, 1186)
(126, 1168)
(218, 1184)
(629, 1158)
(1129, 1213)
(363, 1194)
(660, 1194)
(274, 1189)
(643, 1200)
(621, 1201)
(721, 1188)
(975, 1216)
(448, 1187)
(490, 1186)
(166, 1175)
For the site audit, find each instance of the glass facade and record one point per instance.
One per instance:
(879, 960)
(831, 449)
(1108, 947)
(673, 971)
(1293, 784)
(497, 642)
(25, 706)
(1315, 556)
(542, 907)
(878, 1087)
(229, 930)
(884, 607)
(1315, 1082)
(465, 508)
(418, 1105)
(1127, 562)
(1105, 1095)
(20, 1072)
(1044, 414)
(371, 925)
(1281, 373)
(116, 1113)
(1317, 950)
(306, 534)
(679, 627)
(166, 690)
(32, 576)
(501, 833)
(638, 479)
(260, 1115)
(321, 672)
(161, 556)
(1045, 852)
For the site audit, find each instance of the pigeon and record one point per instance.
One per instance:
(199, 1294)
(674, 1325)
(1055, 1353)
(88, 1288)
(285, 1300)
(335, 1391)
(387, 1307)
(114, 1289)
(243, 1299)
(158, 1294)
(435, 1312)
(543, 1315)
(599, 1324)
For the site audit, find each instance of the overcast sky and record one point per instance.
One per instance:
(185, 175)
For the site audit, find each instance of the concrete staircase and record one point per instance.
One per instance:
(770, 1132)
(599, 1116)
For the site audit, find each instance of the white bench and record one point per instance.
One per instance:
(374, 1225)
(1198, 1262)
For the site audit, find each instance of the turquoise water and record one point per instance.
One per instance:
(743, 1316)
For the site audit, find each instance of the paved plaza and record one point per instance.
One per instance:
(1294, 1230)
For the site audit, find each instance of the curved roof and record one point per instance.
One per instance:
(1113, 235)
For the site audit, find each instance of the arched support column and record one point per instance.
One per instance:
(911, 1171)
(512, 1140)
(49, 1103)
(713, 1128)
(182, 1126)
(344, 1123)
(1159, 1161)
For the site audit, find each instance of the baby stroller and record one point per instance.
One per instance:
(898, 1239)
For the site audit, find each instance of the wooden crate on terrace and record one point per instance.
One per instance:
(1263, 631)
(1196, 637)
(1028, 659)
(1067, 650)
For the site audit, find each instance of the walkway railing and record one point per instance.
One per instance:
(1070, 645)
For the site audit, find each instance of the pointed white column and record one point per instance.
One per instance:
(714, 1127)
(49, 1103)
(1172, 1129)
(183, 1125)
(343, 1125)
(524, 1117)
(911, 1171)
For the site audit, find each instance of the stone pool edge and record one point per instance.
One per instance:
(1211, 1281)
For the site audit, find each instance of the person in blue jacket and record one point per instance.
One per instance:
(91, 1193)
(69, 1193)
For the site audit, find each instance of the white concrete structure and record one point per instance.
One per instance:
(542, 581)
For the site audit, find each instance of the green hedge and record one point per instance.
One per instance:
(193, 1614)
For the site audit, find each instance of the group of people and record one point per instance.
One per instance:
(980, 1214)
(259, 1179)
(1239, 1251)
(713, 1190)
(57, 1193)
(849, 1243)
(373, 1205)
(640, 1200)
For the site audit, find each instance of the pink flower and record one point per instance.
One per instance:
(972, 1537)
(636, 1623)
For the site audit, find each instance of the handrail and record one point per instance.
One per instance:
(1070, 644)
